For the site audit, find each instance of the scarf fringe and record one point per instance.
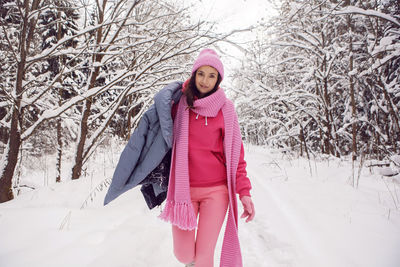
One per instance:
(180, 214)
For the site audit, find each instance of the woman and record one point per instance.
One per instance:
(207, 169)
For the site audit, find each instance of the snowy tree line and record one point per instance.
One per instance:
(74, 71)
(324, 77)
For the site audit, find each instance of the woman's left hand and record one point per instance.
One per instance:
(248, 208)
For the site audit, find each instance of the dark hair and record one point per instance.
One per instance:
(192, 92)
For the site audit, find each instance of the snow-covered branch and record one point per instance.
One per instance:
(369, 12)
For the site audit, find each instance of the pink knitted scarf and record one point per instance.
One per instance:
(178, 209)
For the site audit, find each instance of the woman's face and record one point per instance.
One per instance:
(206, 78)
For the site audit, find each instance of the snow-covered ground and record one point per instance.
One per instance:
(307, 214)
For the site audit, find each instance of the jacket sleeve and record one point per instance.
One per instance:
(243, 184)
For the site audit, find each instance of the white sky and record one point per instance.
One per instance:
(231, 15)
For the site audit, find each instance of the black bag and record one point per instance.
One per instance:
(159, 176)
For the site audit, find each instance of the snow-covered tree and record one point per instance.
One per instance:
(381, 77)
(117, 56)
(139, 47)
(319, 79)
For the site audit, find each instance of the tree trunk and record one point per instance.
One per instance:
(59, 132)
(352, 92)
(11, 159)
(77, 169)
(59, 151)
(127, 132)
(79, 157)
(14, 140)
(328, 137)
(303, 141)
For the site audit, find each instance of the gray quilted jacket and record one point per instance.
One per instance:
(147, 147)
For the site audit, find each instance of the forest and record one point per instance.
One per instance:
(322, 77)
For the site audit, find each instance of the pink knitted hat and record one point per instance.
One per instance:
(209, 57)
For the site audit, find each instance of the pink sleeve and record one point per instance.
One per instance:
(243, 184)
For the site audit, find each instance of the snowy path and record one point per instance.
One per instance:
(275, 229)
(314, 218)
(302, 220)
(283, 233)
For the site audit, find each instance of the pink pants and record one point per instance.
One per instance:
(210, 204)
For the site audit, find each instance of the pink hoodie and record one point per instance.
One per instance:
(207, 164)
